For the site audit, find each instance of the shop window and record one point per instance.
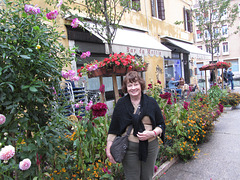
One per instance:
(187, 20)
(158, 9)
(225, 48)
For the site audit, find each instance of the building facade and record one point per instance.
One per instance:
(227, 51)
(150, 31)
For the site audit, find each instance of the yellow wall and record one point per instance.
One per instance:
(143, 20)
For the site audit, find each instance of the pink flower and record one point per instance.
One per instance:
(88, 53)
(99, 109)
(59, 3)
(102, 88)
(25, 164)
(52, 14)
(2, 119)
(105, 169)
(71, 72)
(159, 82)
(74, 78)
(77, 105)
(89, 105)
(7, 152)
(155, 168)
(65, 75)
(85, 54)
(31, 10)
(75, 23)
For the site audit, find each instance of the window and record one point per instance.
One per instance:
(198, 35)
(197, 18)
(214, 15)
(225, 30)
(224, 15)
(235, 66)
(134, 4)
(216, 51)
(158, 10)
(208, 48)
(225, 48)
(216, 32)
(187, 20)
(206, 34)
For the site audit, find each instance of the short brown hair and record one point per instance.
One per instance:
(133, 76)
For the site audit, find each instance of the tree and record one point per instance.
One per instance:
(105, 15)
(211, 16)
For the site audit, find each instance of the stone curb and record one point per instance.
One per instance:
(164, 167)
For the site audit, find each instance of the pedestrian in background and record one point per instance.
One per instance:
(139, 161)
(230, 78)
(225, 78)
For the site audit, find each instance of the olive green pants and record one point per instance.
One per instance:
(140, 170)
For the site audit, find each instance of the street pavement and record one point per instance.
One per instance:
(219, 158)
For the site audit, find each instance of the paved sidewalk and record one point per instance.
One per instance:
(219, 158)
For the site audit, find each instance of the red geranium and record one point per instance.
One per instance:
(99, 109)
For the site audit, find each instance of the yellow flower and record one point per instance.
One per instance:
(63, 170)
(38, 46)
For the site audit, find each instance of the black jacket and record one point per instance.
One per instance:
(123, 114)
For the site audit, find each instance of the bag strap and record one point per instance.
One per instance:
(129, 130)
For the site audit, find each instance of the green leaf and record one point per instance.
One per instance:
(25, 57)
(36, 28)
(24, 87)
(33, 89)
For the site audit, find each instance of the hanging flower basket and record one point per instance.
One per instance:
(222, 65)
(119, 70)
(118, 64)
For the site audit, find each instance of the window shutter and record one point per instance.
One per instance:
(153, 8)
(185, 18)
(189, 21)
(161, 9)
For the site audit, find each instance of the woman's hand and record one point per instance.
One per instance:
(145, 135)
(108, 153)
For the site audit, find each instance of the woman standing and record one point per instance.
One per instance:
(139, 161)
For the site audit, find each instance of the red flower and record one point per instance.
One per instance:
(149, 86)
(102, 88)
(166, 95)
(99, 109)
(220, 107)
(159, 82)
(186, 105)
(169, 101)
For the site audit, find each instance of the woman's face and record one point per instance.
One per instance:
(134, 88)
